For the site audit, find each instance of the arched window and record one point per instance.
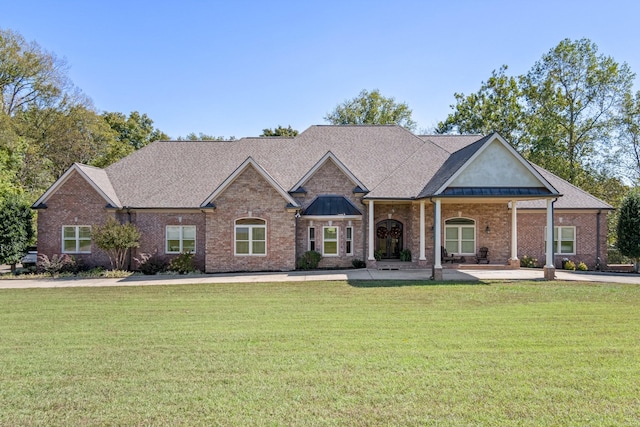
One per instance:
(460, 236)
(250, 236)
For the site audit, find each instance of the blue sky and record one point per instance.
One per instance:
(233, 68)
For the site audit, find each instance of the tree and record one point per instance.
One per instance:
(116, 239)
(573, 95)
(16, 230)
(371, 108)
(204, 137)
(629, 227)
(28, 74)
(496, 107)
(630, 135)
(280, 131)
(128, 134)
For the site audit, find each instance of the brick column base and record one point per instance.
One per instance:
(514, 263)
(437, 273)
(549, 273)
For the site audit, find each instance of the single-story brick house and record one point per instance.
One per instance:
(348, 192)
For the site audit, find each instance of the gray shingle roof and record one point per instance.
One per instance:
(389, 160)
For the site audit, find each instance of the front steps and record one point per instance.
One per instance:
(394, 264)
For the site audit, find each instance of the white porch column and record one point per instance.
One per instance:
(436, 235)
(513, 261)
(422, 238)
(549, 268)
(371, 233)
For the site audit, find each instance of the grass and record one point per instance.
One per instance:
(322, 353)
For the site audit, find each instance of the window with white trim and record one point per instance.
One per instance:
(349, 240)
(250, 236)
(312, 239)
(76, 239)
(330, 241)
(564, 240)
(460, 236)
(180, 238)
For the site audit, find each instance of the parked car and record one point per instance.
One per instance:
(30, 258)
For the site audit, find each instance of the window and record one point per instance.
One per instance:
(564, 240)
(312, 239)
(330, 241)
(76, 239)
(181, 238)
(349, 240)
(460, 236)
(251, 237)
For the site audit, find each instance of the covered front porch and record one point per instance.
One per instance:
(416, 234)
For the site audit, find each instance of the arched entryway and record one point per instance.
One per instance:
(389, 238)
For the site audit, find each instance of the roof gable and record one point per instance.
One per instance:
(493, 163)
(96, 177)
(329, 156)
(249, 162)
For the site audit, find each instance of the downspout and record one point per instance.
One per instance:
(598, 239)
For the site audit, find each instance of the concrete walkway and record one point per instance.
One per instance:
(302, 276)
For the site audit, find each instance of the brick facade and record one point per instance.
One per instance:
(250, 195)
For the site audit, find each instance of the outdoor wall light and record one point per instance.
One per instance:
(487, 230)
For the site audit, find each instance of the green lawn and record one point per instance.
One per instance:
(322, 353)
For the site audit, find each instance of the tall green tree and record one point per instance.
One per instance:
(16, 230)
(630, 136)
(280, 131)
(573, 95)
(629, 227)
(497, 107)
(372, 108)
(128, 134)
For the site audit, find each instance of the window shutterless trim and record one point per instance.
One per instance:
(255, 223)
(76, 238)
(325, 241)
(180, 238)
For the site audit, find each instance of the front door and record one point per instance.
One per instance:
(389, 235)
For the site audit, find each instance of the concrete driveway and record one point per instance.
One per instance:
(306, 276)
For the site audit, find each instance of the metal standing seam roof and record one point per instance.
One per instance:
(331, 205)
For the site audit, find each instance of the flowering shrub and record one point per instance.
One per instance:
(528, 262)
(569, 265)
(582, 267)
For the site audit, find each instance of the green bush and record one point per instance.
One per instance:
(405, 255)
(358, 263)
(569, 265)
(582, 267)
(309, 260)
(183, 263)
(528, 262)
(377, 255)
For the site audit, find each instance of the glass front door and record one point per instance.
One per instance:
(389, 236)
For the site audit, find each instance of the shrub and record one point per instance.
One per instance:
(569, 265)
(309, 260)
(528, 262)
(582, 267)
(377, 255)
(405, 255)
(358, 263)
(57, 264)
(183, 263)
(150, 264)
(116, 239)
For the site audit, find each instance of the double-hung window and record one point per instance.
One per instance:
(460, 236)
(251, 237)
(330, 241)
(180, 238)
(76, 239)
(564, 240)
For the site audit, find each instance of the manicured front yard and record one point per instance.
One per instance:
(322, 353)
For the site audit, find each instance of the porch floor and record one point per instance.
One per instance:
(396, 264)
